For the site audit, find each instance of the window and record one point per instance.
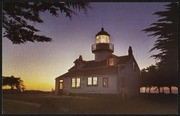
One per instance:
(105, 82)
(134, 66)
(92, 81)
(75, 82)
(111, 61)
(89, 80)
(102, 39)
(61, 84)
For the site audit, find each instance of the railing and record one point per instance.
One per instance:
(99, 46)
(94, 47)
(111, 46)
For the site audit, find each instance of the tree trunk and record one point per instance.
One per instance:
(12, 87)
(170, 91)
(145, 89)
(162, 89)
(158, 88)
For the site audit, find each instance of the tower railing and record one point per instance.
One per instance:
(98, 46)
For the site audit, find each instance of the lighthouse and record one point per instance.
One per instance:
(106, 74)
(102, 48)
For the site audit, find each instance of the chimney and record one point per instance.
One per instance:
(79, 63)
(130, 52)
(80, 58)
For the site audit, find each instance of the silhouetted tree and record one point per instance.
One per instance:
(144, 79)
(166, 29)
(17, 15)
(150, 77)
(13, 82)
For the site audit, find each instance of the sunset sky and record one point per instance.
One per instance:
(38, 64)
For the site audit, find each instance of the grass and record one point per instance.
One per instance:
(143, 104)
(16, 108)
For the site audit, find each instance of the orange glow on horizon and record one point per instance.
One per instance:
(36, 80)
(166, 90)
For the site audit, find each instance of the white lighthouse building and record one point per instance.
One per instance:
(106, 74)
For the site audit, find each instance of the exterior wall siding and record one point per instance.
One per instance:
(56, 85)
(99, 56)
(131, 79)
(84, 88)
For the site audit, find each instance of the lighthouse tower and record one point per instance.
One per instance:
(102, 48)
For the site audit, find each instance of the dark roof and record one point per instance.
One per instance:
(102, 32)
(72, 68)
(97, 68)
(123, 59)
(93, 64)
(89, 72)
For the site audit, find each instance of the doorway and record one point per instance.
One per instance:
(61, 86)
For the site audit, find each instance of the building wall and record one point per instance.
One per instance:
(57, 85)
(99, 56)
(111, 89)
(131, 79)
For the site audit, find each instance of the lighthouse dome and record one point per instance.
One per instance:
(102, 32)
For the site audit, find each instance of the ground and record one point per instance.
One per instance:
(49, 103)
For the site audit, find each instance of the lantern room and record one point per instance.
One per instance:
(102, 37)
(102, 48)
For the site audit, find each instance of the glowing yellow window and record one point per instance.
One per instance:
(92, 81)
(78, 82)
(60, 84)
(102, 39)
(111, 61)
(89, 81)
(73, 82)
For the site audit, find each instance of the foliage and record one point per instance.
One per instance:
(150, 77)
(13, 82)
(166, 29)
(17, 15)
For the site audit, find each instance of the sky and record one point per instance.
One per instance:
(38, 64)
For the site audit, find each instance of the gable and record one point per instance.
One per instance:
(134, 60)
(131, 64)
